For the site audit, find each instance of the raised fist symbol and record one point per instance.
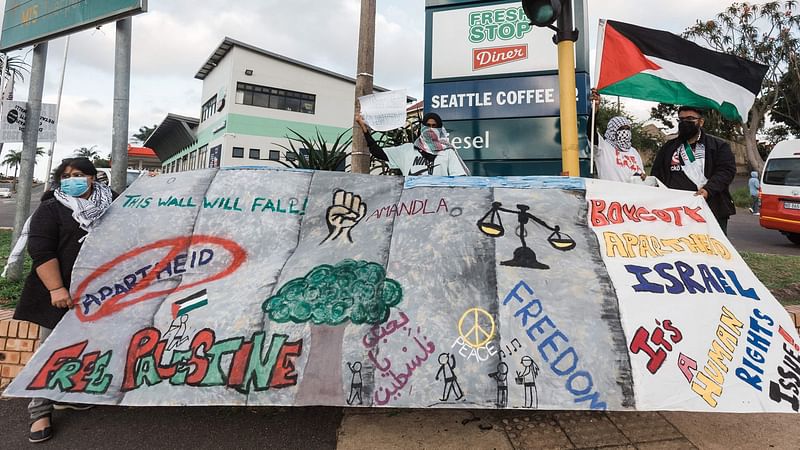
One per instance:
(344, 213)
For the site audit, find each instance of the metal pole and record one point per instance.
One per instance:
(3, 89)
(566, 81)
(29, 141)
(591, 137)
(58, 110)
(122, 88)
(364, 80)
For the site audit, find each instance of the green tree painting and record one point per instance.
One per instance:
(327, 297)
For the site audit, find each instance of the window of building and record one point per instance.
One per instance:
(209, 108)
(255, 153)
(238, 152)
(274, 155)
(193, 160)
(202, 157)
(267, 97)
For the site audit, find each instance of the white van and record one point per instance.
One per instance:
(780, 190)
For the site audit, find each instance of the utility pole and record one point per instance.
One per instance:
(29, 140)
(122, 91)
(360, 160)
(58, 111)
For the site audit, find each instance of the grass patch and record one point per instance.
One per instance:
(741, 197)
(10, 290)
(780, 274)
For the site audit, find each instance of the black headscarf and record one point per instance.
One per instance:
(433, 116)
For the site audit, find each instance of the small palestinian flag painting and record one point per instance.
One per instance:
(190, 303)
(659, 66)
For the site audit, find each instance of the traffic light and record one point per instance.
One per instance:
(542, 12)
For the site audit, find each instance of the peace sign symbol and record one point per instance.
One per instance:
(473, 327)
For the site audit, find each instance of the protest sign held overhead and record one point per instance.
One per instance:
(277, 287)
(384, 111)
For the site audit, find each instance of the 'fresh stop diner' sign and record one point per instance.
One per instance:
(488, 40)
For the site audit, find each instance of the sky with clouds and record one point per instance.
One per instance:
(175, 37)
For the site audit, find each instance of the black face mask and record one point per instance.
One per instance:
(687, 130)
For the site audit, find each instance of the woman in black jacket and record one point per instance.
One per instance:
(56, 232)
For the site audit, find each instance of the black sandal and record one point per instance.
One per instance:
(43, 434)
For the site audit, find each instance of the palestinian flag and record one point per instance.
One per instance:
(192, 302)
(659, 66)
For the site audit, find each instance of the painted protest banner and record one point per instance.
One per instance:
(277, 287)
(12, 126)
(384, 111)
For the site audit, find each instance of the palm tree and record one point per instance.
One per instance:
(15, 69)
(14, 158)
(144, 133)
(87, 152)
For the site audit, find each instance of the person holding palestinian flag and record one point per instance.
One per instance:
(659, 66)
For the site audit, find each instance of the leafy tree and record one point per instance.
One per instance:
(86, 152)
(327, 298)
(714, 124)
(315, 153)
(144, 133)
(787, 107)
(765, 33)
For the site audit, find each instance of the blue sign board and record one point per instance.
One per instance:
(511, 139)
(530, 96)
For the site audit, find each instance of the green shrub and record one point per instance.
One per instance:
(741, 197)
(10, 290)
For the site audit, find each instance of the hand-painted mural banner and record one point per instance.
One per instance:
(533, 96)
(277, 287)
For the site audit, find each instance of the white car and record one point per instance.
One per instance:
(5, 192)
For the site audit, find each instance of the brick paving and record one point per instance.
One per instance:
(587, 430)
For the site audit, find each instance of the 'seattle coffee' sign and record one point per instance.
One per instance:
(274, 287)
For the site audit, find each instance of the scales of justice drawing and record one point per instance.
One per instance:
(492, 225)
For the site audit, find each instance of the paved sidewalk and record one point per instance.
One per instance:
(124, 428)
(460, 429)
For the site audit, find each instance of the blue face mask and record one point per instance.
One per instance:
(75, 186)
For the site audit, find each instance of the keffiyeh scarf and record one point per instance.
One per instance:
(84, 211)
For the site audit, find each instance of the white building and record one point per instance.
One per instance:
(251, 100)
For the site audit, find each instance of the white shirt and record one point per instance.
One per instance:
(617, 165)
(411, 163)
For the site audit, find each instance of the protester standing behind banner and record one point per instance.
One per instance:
(617, 160)
(430, 154)
(56, 232)
(697, 161)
